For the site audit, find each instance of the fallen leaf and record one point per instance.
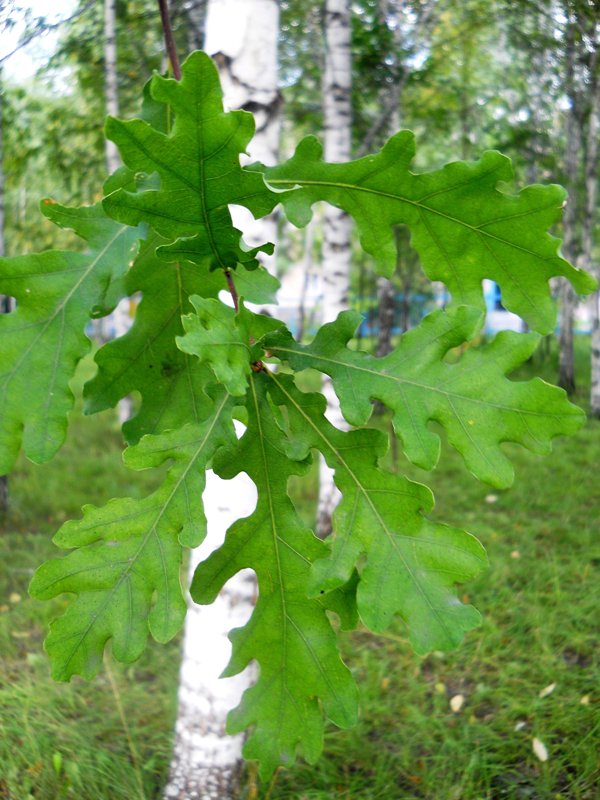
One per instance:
(20, 634)
(457, 702)
(515, 554)
(440, 688)
(540, 750)
(585, 700)
(548, 690)
(14, 597)
(491, 498)
(520, 725)
(385, 682)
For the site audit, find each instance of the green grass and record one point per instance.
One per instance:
(539, 599)
(69, 740)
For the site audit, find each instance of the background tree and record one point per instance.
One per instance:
(242, 37)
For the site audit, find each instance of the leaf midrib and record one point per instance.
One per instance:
(416, 203)
(415, 384)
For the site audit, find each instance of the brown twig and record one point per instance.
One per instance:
(169, 40)
(232, 289)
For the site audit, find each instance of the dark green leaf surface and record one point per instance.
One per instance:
(125, 568)
(410, 563)
(472, 398)
(288, 635)
(57, 292)
(463, 227)
(199, 169)
(147, 360)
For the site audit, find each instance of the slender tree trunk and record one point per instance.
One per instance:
(242, 37)
(110, 79)
(307, 269)
(386, 294)
(120, 319)
(5, 302)
(566, 367)
(337, 247)
(591, 199)
(206, 762)
(196, 23)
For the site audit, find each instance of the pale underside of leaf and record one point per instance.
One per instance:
(125, 565)
(411, 564)
(57, 292)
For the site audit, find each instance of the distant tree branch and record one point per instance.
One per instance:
(44, 29)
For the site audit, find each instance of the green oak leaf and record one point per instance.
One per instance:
(289, 635)
(472, 398)
(199, 168)
(463, 226)
(408, 565)
(126, 562)
(43, 339)
(146, 359)
(225, 340)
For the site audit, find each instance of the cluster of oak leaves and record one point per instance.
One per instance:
(164, 230)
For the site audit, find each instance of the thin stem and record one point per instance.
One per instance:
(169, 40)
(232, 289)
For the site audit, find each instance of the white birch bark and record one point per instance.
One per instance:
(110, 79)
(337, 248)
(205, 764)
(571, 247)
(120, 319)
(242, 37)
(591, 199)
(5, 300)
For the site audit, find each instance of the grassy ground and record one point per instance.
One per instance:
(70, 740)
(540, 604)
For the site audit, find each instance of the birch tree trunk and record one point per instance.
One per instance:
(5, 301)
(120, 319)
(110, 79)
(242, 37)
(337, 248)
(566, 367)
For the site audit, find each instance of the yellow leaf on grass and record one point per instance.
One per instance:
(457, 702)
(540, 749)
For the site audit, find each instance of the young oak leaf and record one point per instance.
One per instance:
(463, 227)
(57, 292)
(411, 564)
(126, 559)
(146, 359)
(289, 635)
(225, 339)
(199, 168)
(472, 399)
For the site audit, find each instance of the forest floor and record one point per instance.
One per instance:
(458, 726)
